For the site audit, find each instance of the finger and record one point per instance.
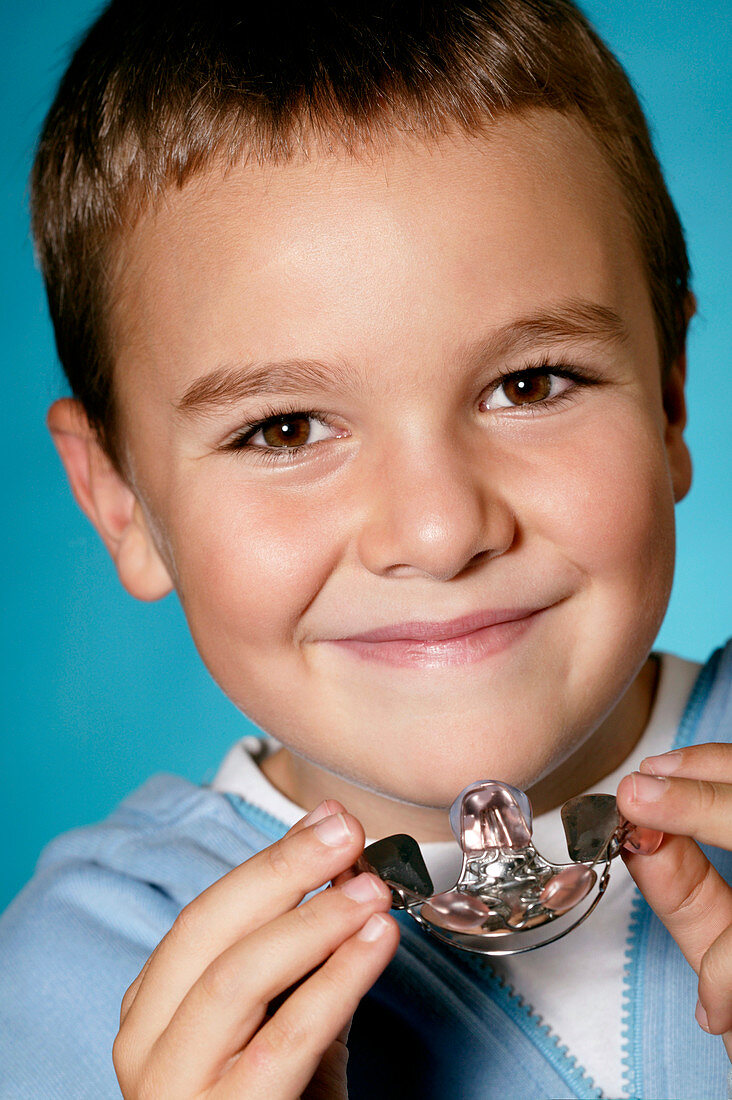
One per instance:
(686, 893)
(715, 985)
(323, 809)
(344, 876)
(131, 991)
(270, 883)
(712, 761)
(284, 1055)
(643, 841)
(231, 999)
(699, 808)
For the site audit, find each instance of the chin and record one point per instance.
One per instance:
(438, 786)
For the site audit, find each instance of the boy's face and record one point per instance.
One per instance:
(408, 282)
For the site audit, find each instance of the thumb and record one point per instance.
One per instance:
(345, 1032)
(329, 1081)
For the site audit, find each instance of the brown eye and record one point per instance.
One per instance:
(532, 387)
(288, 431)
(527, 389)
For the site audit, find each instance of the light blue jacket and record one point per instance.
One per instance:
(437, 1024)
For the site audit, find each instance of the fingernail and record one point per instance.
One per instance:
(644, 842)
(665, 764)
(333, 830)
(320, 811)
(648, 788)
(362, 888)
(701, 1016)
(374, 927)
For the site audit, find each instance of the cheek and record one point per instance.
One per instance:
(250, 561)
(610, 507)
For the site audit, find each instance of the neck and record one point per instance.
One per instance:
(306, 784)
(606, 749)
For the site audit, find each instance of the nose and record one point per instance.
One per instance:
(432, 511)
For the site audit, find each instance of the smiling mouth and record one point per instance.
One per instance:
(460, 641)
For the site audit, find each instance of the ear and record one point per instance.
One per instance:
(674, 406)
(108, 501)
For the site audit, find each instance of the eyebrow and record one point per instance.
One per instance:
(576, 319)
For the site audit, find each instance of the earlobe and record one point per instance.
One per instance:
(140, 567)
(108, 502)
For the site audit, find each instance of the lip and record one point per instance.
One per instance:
(420, 631)
(459, 641)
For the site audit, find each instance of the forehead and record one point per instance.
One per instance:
(407, 247)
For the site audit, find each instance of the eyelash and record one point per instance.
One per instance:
(582, 377)
(285, 455)
(279, 455)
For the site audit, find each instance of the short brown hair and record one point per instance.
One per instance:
(157, 91)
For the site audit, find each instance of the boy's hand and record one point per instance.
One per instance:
(199, 1020)
(688, 794)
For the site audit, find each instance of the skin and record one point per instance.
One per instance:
(421, 499)
(235, 949)
(422, 506)
(687, 794)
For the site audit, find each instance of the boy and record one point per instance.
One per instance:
(375, 324)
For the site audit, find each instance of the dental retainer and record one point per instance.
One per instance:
(508, 898)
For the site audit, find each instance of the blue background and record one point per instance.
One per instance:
(99, 691)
